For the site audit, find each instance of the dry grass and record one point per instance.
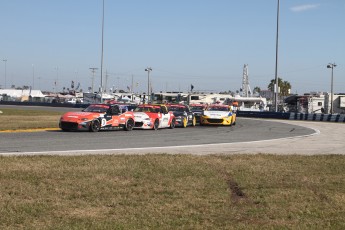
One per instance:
(14, 119)
(172, 192)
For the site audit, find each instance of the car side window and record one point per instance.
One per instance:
(115, 110)
(164, 110)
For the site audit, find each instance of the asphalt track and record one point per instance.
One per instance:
(249, 136)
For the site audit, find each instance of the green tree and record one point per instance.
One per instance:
(285, 86)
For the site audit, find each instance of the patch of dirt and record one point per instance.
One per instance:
(236, 191)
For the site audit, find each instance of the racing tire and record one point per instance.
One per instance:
(194, 122)
(184, 122)
(172, 124)
(129, 125)
(95, 126)
(156, 124)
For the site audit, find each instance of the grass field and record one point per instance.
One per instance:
(172, 192)
(167, 191)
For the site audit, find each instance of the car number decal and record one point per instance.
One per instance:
(103, 122)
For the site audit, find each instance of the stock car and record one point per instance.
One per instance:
(153, 116)
(98, 117)
(183, 115)
(197, 109)
(217, 114)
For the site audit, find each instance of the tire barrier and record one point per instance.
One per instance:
(294, 116)
(272, 115)
(317, 117)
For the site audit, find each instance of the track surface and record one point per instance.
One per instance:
(246, 130)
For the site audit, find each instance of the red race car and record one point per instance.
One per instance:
(98, 117)
(155, 116)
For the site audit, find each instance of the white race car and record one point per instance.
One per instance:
(155, 117)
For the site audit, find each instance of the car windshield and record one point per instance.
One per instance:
(97, 109)
(144, 109)
(218, 109)
(196, 108)
(176, 109)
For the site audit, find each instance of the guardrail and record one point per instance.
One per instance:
(294, 116)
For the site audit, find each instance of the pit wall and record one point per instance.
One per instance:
(294, 116)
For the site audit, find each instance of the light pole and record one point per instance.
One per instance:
(148, 69)
(331, 66)
(276, 93)
(5, 60)
(33, 76)
(102, 53)
(56, 83)
(93, 70)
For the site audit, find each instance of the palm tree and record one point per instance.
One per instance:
(285, 86)
(256, 89)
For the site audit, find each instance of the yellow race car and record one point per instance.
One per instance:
(218, 115)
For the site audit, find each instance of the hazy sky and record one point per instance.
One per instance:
(199, 42)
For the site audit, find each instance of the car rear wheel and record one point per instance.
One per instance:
(172, 124)
(129, 125)
(184, 122)
(156, 124)
(194, 121)
(95, 126)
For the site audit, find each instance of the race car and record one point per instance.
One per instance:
(197, 109)
(217, 114)
(153, 116)
(183, 115)
(98, 117)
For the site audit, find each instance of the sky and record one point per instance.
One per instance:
(47, 44)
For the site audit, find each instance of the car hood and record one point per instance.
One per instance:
(140, 116)
(217, 114)
(75, 116)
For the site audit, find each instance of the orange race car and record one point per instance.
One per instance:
(98, 117)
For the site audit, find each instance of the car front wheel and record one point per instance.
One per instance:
(95, 126)
(129, 125)
(156, 124)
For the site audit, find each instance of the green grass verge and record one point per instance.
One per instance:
(15, 119)
(172, 192)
